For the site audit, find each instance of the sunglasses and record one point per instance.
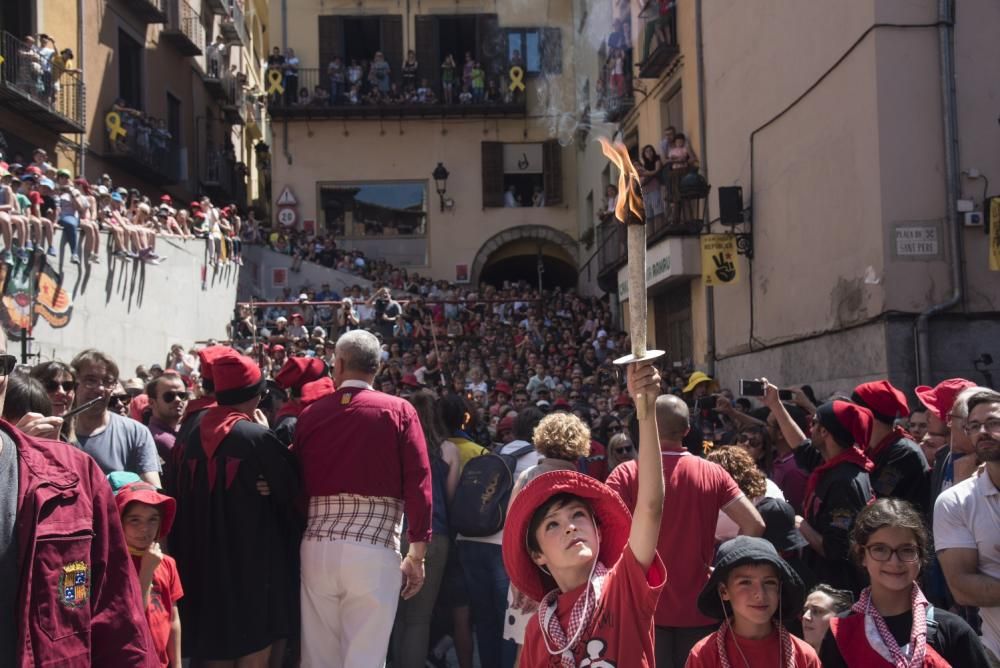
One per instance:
(7, 364)
(54, 386)
(624, 450)
(122, 399)
(169, 396)
(614, 427)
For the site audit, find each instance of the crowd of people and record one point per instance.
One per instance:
(36, 199)
(316, 491)
(377, 82)
(41, 67)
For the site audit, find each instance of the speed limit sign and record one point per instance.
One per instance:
(287, 216)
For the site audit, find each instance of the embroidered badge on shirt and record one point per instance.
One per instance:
(74, 584)
(841, 518)
(345, 399)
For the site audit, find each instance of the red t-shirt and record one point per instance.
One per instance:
(763, 652)
(622, 634)
(696, 490)
(166, 592)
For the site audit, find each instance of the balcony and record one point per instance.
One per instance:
(147, 151)
(661, 30)
(184, 30)
(234, 25)
(254, 120)
(234, 106)
(223, 179)
(219, 7)
(149, 11)
(27, 89)
(611, 253)
(614, 87)
(289, 106)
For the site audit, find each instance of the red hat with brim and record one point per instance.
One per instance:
(277, 348)
(613, 520)
(298, 371)
(410, 380)
(166, 198)
(941, 397)
(884, 401)
(561, 403)
(237, 379)
(623, 401)
(503, 387)
(316, 390)
(144, 492)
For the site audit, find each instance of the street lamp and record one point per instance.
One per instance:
(693, 190)
(441, 182)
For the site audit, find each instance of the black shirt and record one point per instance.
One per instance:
(901, 471)
(948, 634)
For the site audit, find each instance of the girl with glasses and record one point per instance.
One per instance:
(893, 624)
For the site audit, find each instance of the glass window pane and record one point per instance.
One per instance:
(533, 55)
(514, 43)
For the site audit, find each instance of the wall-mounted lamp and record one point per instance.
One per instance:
(441, 184)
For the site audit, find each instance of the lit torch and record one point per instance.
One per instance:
(629, 211)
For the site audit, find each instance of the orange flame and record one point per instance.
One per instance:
(629, 185)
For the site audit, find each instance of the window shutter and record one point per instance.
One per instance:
(427, 33)
(492, 44)
(492, 174)
(331, 42)
(392, 42)
(551, 172)
(551, 46)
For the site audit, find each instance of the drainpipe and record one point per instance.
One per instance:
(284, 45)
(949, 115)
(81, 92)
(703, 129)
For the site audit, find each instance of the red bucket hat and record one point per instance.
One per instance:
(613, 520)
(143, 492)
(941, 397)
(884, 401)
(503, 387)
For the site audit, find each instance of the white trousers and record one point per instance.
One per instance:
(350, 593)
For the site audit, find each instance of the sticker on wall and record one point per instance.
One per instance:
(21, 310)
(718, 259)
(461, 273)
(279, 277)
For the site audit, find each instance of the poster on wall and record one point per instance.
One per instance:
(279, 277)
(995, 234)
(461, 273)
(718, 259)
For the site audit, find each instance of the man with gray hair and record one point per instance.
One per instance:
(364, 464)
(697, 490)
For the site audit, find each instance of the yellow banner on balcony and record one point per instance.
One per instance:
(718, 260)
(995, 234)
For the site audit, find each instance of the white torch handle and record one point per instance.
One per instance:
(637, 300)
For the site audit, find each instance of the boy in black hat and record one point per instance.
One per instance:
(751, 589)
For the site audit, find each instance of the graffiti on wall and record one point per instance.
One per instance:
(32, 290)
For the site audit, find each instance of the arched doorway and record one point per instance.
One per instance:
(519, 252)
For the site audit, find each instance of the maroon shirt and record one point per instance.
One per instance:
(359, 441)
(78, 601)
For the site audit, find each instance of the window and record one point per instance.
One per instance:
(475, 34)
(672, 110)
(521, 174)
(673, 323)
(358, 38)
(129, 70)
(539, 49)
(384, 219)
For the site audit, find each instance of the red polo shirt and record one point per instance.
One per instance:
(359, 441)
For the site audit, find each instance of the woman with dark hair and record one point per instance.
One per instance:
(27, 406)
(413, 616)
(823, 604)
(59, 382)
(893, 624)
(650, 166)
(607, 427)
(757, 442)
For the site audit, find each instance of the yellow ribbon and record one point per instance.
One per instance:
(274, 76)
(113, 121)
(516, 78)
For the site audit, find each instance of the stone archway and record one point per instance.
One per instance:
(542, 234)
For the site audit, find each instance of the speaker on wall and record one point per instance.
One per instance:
(731, 205)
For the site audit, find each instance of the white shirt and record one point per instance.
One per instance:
(967, 515)
(725, 528)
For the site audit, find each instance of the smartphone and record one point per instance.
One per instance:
(705, 403)
(83, 407)
(755, 388)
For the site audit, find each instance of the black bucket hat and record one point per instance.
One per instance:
(779, 520)
(744, 550)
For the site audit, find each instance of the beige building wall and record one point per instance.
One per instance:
(320, 151)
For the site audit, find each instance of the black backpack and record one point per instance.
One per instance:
(479, 507)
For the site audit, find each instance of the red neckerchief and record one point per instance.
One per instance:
(292, 408)
(890, 438)
(199, 404)
(852, 455)
(216, 425)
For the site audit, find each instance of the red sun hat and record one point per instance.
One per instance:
(886, 402)
(941, 397)
(298, 371)
(623, 400)
(237, 379)
(503, 387)
(144, 492)
(166, 198)
(613, 520)
(316, 390)
(561, 402)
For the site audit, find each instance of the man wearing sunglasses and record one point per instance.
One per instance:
(168, 398)
(68, 595)
(117, 443)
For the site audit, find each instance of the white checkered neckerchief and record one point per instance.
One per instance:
(562, 642)
(373, 520)
(918, 632)
(787, 658)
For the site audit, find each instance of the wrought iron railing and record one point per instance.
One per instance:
(37, 78)
(148, 147)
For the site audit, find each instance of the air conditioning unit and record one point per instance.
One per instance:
(973, 218)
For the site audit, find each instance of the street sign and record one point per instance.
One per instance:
(286, 198)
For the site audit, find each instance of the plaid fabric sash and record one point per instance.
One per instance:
(918, 632)
(562, 642)
(375, 520)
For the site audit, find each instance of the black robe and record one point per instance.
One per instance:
(901, 471)
(236, 550)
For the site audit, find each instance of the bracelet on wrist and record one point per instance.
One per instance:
(413, 557)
